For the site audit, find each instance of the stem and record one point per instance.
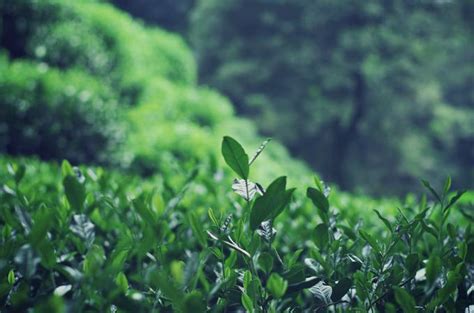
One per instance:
(387, 292)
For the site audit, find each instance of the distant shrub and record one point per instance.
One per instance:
(98, 39)
(56, 115)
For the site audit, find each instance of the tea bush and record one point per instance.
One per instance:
(86, 239)
(97, 38)
(170, 119)
(57, 114)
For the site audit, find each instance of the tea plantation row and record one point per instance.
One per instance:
(90, 240)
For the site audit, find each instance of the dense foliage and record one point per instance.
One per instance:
(55, 114)
(376, 94)
(108, 57)
(164, 226)
(91, 240)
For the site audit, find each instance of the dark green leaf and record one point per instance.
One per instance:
(449, 288)
(170, 291)
(235, 156)
(384, 220)
(306, 283)
(341, 288)
(431, 189)
(318, 198)
(194, 302)
(321, 236)
(371, 240)
(433, 268)
(75, 192)
(412, 263)
(265, 260)
(271, 203)
(405, 300)
(198, 229)
(454, 199)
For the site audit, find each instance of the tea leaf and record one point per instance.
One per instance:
(235, 156)
(405, 300)
(276, 285)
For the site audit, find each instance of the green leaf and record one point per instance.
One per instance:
(447, 185)
(122, 282)
(320, 201)
(247, 302)
(43, 220)
(276, 285)
(75, 192)
(449, 288)
(170, 291)
(306, 283)
(247, 279)
(451, 230)
(454, 199)
(433, 268)
(371, 240)
(384, 220)
(271, 204)
(321, 236)
(431, 189)
(11, 277)
(144, 209)
(17, 171)
(66, 169)
(197, 228)
(259, 150)
(265, 260)
(194, 302)
(405, 300)
(235, 156)
(341, 288)
(47, 254)
(411, 263)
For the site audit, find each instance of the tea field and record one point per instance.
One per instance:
(91, 240)
(126, 186)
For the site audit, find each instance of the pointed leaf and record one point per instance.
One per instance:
(277, 285)
(235, 156)
(405, 300)
(75, 192)
(271, 203)
(259, 150)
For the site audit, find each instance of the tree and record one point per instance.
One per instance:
(345, 84)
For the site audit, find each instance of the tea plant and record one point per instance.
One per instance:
(421, 263)
(85, 239)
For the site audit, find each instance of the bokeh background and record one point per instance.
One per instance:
(373, 95)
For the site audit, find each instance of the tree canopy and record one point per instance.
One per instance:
(369, 91)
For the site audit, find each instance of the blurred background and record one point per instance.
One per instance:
(373, 95)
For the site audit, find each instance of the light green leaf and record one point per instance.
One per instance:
(247, 302)
(122, 282)
(276, 285)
